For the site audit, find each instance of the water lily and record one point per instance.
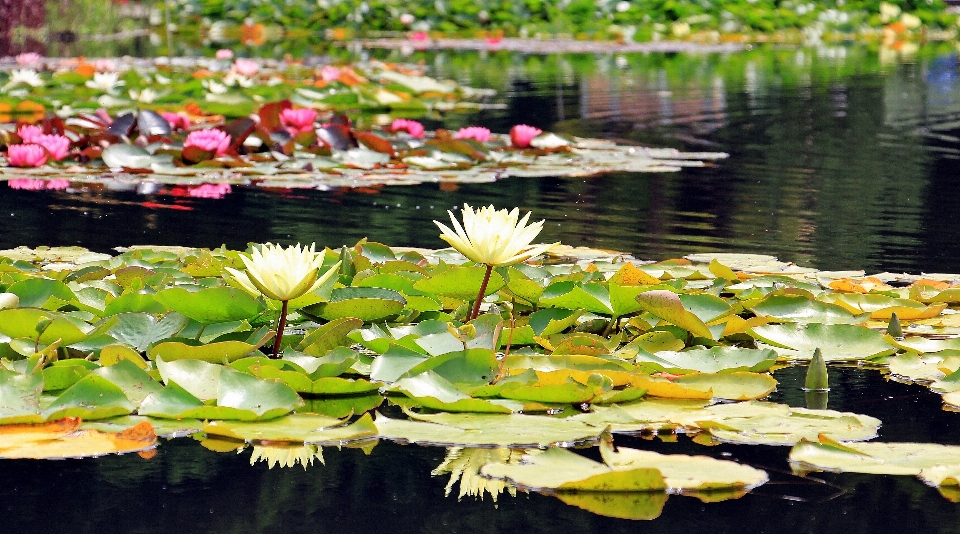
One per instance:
(282, 274)
(144, 96)
(22, 77)
(28, 58)
(298, 120)
(329, 73)
(407, 19)
(105, 65)
(29, 132)
(224, 54)
(493, 237)
(26, 155)
(414, 128)
(57, 145)
(233, 78)
(176, 120)
(214, 140)
(246, 67)
(214, 87)
(478, 133)
(521, 135)
(107, 82)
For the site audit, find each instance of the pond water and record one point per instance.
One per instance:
(840, 158)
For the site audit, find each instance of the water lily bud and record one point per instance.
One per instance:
(816, 400)
(894, 328)
(9, 300)
(817, 379)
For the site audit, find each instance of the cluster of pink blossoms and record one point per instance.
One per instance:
(478, 133)
(37, 148)
(414, 128)
(298, 120)
(212, 140)
(176, 120)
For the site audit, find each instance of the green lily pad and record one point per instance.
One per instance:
(923, 459)
(92, 397)
(365, 303)
(730, 386)
(20, 397)
(668, 306)
(305, 428)
(484, 430)
(140, 330)
(25, 322)
(35, 292)
(839, 342)
(432, 391)
(712, 360)
(212, 305)
(65, 373)
(461, 282)
(135, 383)
(223, 351)
(329, 336)
(799, 309)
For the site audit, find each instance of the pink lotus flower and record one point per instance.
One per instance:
(176, 120)
(105, 65)
(246, 67)
(298, 120)
(521, 135)
(329, 73)
(56, 144)
(58, 185)
(414, 128)
(210, 191)
(224, 53)
(29, 132)
(28, 58)
(213, 140)
(26, 155)
(473, 132)
(419, 36)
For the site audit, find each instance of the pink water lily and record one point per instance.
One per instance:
(414, 128)
(213, 140)
(246, 67)
(521, 135)
(105, 65)
(26, 155)
(56, 144)
(419, 36)
(29, 132)
(176, 120)
(28, 58)
(298, 120)
(224, 53)
(329, 73)
(473, 132)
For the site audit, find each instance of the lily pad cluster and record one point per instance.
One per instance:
(571, 348)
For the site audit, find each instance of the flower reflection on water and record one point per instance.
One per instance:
(34, 184)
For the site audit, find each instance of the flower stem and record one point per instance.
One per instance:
(483, 289)
(280, 327)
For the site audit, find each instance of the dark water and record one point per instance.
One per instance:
(841, 158)
(187, 488)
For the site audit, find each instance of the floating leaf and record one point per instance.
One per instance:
(365, 303)
(212, 305)
(668, 306)
(52, 441)
(305, 428)
(712, 360)
(91, 397)
(461, 282)
(838, 342)
(799, 309)
(923, 459)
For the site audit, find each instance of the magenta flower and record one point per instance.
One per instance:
(176, 120)
(213, 140)
(246, 67)
(209, 191)
(419, 36)
(414, 128)
(473, 132)
(224, 53)
(56, 144)
(28, 58)
(29, 132)
(298, 120)
(521, 135)
(26, 155)
(58, 185)
(329, 73)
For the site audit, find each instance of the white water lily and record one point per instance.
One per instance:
(215, 88)
(23, 77)
(107, 82)
(145, 96)
(282, 274)
(494, 237)
(232, 78)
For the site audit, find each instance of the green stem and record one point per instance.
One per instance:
(483, 289)
(280, 327)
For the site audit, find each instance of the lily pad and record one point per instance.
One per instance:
(305, 428)
(878, 458)
(838, 342)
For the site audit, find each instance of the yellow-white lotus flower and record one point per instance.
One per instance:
(282, 274)
(494, 237)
